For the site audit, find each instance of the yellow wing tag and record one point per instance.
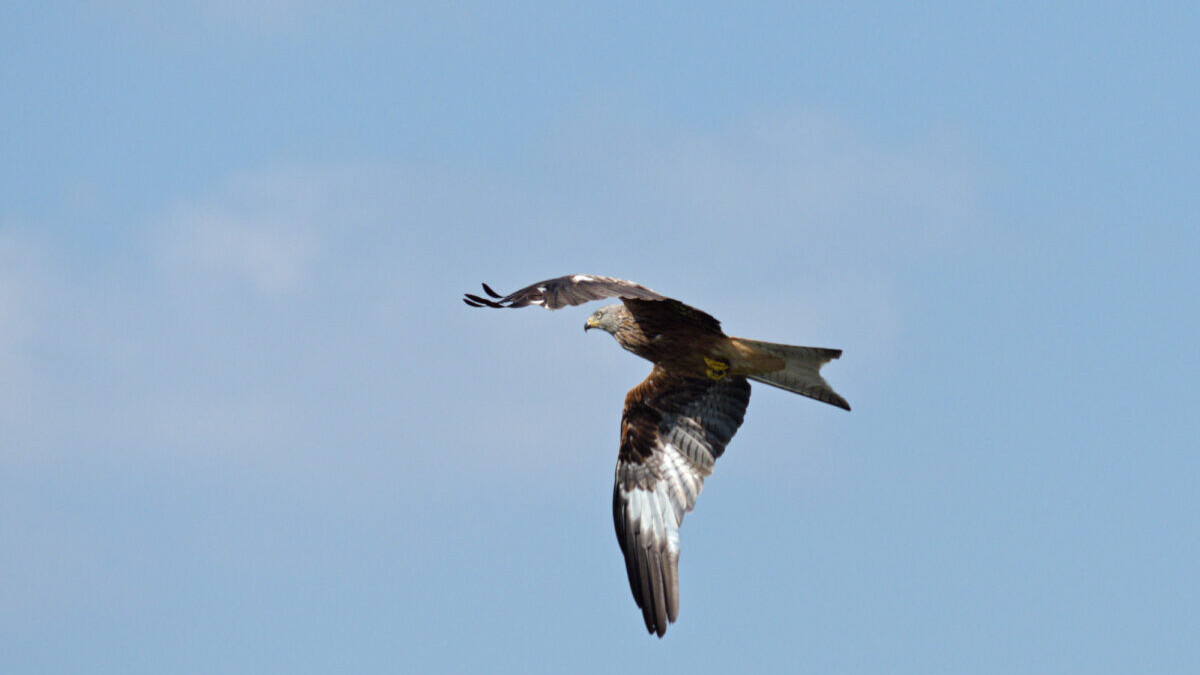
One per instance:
(717, 370)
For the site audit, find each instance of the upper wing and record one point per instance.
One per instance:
(574, 289)
(655, 312)
(669, 315)
(672, 431)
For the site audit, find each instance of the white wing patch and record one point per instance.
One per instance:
(655, 513)
(653, 518)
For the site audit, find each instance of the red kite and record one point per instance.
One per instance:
(677, 422)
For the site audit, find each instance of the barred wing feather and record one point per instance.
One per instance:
(672, 431)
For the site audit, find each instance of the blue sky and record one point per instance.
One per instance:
(247, 425)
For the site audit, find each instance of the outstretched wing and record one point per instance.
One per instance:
(672, 431)
(574, 289)
(654, 312)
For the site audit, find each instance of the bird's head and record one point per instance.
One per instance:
(607, 318)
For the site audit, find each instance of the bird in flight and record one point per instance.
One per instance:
(677, 422)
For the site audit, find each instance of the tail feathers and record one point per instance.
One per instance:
(801, 374)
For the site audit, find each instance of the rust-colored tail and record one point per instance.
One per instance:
(801, 372)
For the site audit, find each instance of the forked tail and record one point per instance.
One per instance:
(802, 370)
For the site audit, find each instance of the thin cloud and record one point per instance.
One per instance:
(261, 231)
(307, 315)
(271, 257)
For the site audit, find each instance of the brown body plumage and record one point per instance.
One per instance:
(685, 344)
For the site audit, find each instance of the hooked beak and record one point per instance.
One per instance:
(591, 323)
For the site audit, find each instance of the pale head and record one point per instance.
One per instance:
(607, 318)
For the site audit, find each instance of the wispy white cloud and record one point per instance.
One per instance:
(308, 315)
(269, 256)
(265, 231)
